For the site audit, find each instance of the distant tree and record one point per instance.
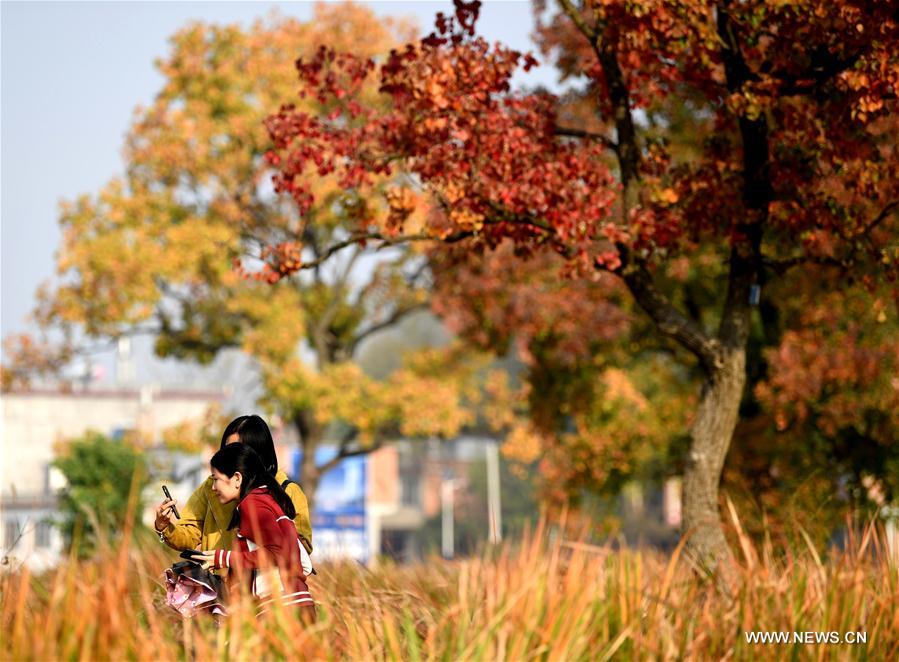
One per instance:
(104, 478)
(182, 247)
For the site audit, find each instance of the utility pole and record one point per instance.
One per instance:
(494, 504)
(448, 544)
(124, 368)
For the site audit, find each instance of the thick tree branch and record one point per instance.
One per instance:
(625, 146)
(589, 135)
(326, 351)
(823, 68)
(669, 320)
(344, 453)
(578, 19)
(745, 255)
(311, 240)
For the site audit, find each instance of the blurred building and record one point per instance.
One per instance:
(38, 423)
(377, 504)
(389, 502)
(407, 482)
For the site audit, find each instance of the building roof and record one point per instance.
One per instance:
(112, 393)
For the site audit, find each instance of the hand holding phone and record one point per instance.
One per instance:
(202, 558)
(168, 496)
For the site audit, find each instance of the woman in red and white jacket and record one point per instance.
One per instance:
(267, 552)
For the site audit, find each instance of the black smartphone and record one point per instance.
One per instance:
(168, 496)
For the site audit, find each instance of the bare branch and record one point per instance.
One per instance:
(783, 265)
(548, 231)
(880, 217)
(365, 237)
(342, 277)
(423, 268)
(395, 317)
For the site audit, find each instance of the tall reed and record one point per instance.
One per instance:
(543, 597)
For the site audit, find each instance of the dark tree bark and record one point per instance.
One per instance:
(310, 438)
(710, 439)
(723, 361)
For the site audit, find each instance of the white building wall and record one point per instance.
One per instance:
(28, 535)
(36, 425)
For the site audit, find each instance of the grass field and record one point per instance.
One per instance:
(541, 598)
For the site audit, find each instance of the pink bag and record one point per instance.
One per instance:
(190, 590)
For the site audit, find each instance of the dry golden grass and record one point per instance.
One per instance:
(537, 599)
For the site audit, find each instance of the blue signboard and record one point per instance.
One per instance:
(339, 515)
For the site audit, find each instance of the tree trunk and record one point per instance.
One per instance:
(722, 358)
(716, 416)
(710, 437)
(310, 438)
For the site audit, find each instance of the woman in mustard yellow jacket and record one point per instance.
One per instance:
(204, 520)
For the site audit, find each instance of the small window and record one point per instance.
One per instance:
(42, 535)
(10, 534)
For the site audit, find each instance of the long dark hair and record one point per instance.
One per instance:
(241, 457)
(253, 431)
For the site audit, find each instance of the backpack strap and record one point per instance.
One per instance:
(306, 546)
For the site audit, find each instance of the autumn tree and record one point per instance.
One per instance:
(181, 247)
(793, 164)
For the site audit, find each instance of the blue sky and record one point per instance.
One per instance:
(72, 72)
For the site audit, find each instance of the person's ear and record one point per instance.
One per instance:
(237, 478)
